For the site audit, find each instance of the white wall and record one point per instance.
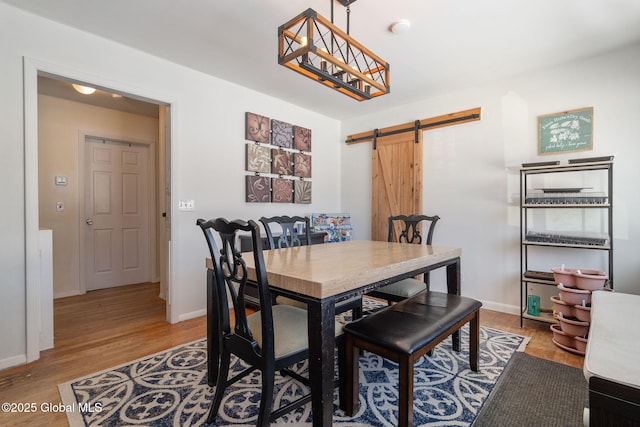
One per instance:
(471, 170)
(207, 152)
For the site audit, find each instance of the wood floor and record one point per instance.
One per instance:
(110, 327)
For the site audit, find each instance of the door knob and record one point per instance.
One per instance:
(89, 221)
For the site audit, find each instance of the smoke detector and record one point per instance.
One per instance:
(400, 27)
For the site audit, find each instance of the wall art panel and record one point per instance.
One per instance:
(301, 138)
(302, 192)
(258, 158)
(281, 134)
(257, 128)
(282, 190)
(302, 165)
(258, 189)
(281, 163)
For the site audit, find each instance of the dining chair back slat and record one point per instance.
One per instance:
(290, 236)
(406, 229)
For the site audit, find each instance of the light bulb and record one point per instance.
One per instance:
(85, 90)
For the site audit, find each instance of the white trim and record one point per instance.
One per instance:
(65, 294)
(192, 315)
(31, 209)
(31, 68)
(13, 361)
(173, 297)
(502, 308)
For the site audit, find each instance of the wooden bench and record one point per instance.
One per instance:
(403, 333)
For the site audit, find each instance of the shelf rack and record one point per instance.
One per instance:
(529, 277)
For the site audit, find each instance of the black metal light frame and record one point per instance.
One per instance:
(314, 47)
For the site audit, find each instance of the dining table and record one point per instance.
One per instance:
(323, 275)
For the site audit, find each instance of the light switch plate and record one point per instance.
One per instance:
(186, 205)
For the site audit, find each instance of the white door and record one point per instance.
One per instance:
(116, 206)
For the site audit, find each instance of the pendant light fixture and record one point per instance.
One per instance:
(316, 48)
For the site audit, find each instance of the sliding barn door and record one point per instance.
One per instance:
(396, 179)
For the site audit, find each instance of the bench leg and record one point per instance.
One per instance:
(352, 375)
(455, 341)
(474, 341)
(405, 389)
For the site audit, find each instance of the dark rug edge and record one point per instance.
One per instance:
(532, 391)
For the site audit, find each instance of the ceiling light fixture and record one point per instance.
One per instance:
(85, 90)
(314, 47)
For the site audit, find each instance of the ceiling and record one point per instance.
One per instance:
(63, 89)
(451, 45)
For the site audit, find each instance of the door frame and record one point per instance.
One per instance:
(31, 68)
(151, 200)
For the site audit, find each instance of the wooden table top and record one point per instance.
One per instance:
(320, 271)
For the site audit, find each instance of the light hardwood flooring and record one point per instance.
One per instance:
(109, 327)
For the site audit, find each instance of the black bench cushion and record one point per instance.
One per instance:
(410, 325)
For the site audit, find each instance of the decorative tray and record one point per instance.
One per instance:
(591, 159)
(533, 236)
(536, 164)
(563, 189)
(540, 275)
(566, 198)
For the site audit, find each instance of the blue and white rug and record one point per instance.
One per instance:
(170, 389)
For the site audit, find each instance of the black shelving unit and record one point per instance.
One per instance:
(532, 199)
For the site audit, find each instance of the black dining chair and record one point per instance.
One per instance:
(269, 340)
(405, 227)
(289, 237)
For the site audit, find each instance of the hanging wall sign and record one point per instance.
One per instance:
(565, 132)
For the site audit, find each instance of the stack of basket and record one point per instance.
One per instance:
(572, 306)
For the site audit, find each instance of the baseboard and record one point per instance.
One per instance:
(502, 308)
(65, 294)
(13, 361)
(192, 315)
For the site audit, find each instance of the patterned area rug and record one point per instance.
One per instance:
(170, 389)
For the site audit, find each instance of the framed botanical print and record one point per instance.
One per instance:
(565, 132)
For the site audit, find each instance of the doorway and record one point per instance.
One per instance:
(37, 184)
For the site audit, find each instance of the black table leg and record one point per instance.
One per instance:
(453, 287)
(321, 360)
